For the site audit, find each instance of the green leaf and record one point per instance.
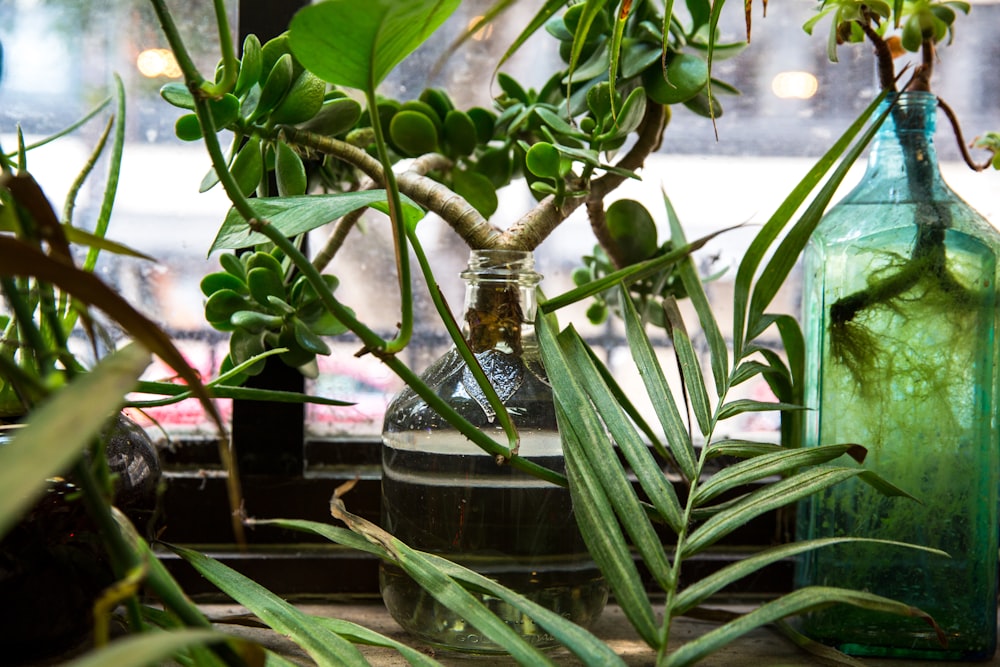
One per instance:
(633, 230)
(797, 602)
(248, 166)
(646, 469)
(605, 542)
(292, 215)
(60, 428)
(476, 189)
(413, 133)
(357, 44)
(542, 160)
(773, 496)
(658, 390)
(251, 65)
(686, 76)
(766, 465)
(696, 293)
(741, 406)
(460, 135)
(335, 117)
(776, 223)
(689, 364)
(153, 648)
(17, 258)
(700, 591)
(322, 645)
(264, 283)
(289, 172)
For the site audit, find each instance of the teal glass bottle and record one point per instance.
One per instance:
(900, 321)
(442, 493)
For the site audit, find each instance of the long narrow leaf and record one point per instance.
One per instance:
(690, 365)
(773, 496)
(788, 251)
(659, 392)
(149, 648)
(359, 634)
(696, 293)
(797, 602)
(778, 463)
(586, 646)
(322, 645)
(702, 590)
(59, 430)
(604, 540)
(651, 478)
(769, 232)
(603, 460)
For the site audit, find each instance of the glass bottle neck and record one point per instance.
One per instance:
(500, 300)
(902, 155)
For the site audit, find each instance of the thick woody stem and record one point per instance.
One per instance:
(537, 224)
(467, 222)
(883, 54)
(531, 229)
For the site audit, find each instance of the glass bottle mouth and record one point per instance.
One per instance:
(502, 265)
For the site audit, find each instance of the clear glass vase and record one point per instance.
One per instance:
(442, 493)
(900, 322)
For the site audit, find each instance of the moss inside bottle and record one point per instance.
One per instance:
(900, 320)
(442, 493)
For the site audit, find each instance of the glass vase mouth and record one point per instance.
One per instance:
(502, 265)
(910, 111)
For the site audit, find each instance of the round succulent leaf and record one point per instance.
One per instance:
(599, 101)
(512, 88)
(251, 65)
(225, 110)
(638, 55)
(178, 95)
(244, 345)
(437, 99)
(426, 109)
(187, 128)
(477, 190)
(484, 120)
(221, 305)
(273, 50)
(700, 105)
(233, 265)
(264, 284)
(335, 117)
(599, 22)
(320, 320)
(686, 76)
(597, 313)
(496, 165)
(302, 291)
(220, 280)
(279, 82)
(543, 160)
(581, 276)
(308, 339)
(248, 166)
(255, 321)
(303, 101)
(413, 133)
(629, 117)
(460, 136)
(296, 355)
(633, 230)
(266, 260)
(289, 172)
(280, 305)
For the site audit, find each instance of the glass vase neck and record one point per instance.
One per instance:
(500, 299)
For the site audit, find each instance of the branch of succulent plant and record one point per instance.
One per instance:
(525, 234)
(883, 52)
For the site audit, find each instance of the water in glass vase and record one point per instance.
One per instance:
(443, 494)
